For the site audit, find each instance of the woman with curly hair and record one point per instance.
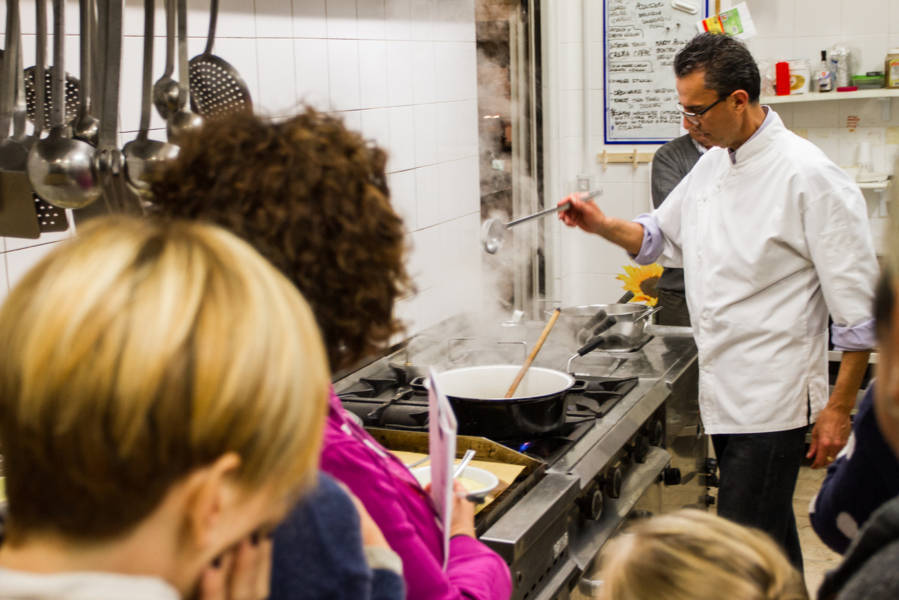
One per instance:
(312, 197)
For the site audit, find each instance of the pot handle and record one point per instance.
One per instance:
(648, 312)
(596, 319)
(579, 387)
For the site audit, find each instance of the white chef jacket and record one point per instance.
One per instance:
(771, 237)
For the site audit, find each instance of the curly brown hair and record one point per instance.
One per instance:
(311, 196)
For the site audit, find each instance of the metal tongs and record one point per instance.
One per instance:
(493, 230)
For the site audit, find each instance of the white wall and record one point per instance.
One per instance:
(801, 29)
(401, 71)
(585, 266)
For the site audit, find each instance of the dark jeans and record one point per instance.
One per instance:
(675, 309)
(758, 478)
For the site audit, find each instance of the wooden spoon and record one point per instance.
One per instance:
(533, 354)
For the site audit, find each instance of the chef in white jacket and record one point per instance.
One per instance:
(773, 237)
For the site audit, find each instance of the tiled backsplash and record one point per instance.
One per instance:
(586, 266)
(401, 71)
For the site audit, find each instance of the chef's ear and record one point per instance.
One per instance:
(740, 99)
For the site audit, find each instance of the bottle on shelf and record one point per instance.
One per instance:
(824, 76)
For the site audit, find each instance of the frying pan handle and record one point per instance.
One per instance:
(605, 326)
(591, 345)
(585, 335)
(596, 319)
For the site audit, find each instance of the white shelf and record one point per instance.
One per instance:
(877, 185)
(830, 96)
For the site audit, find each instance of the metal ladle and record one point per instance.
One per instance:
(183, 120)
(145, 157)
(14, 149)
(60, 169)
(86, 127)
(493, 230)
(167, 96)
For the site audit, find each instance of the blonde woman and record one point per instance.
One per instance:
(693, 555)
(162, 396)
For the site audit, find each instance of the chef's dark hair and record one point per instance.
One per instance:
(727, 63)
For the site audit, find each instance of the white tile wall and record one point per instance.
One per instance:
(401, 71)
(585, 266)
(19, 261)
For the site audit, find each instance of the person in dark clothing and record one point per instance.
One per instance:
(671, 163)
(863, 477)
(340, 567)
(869, 569)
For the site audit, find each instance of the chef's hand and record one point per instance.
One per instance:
(462, 520)
(240, 573)
(371, 533)
(586, 215)
(829, 435)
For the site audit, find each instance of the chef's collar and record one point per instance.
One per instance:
(769, 114)
(702, 149)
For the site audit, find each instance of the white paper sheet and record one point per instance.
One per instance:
(442, 448)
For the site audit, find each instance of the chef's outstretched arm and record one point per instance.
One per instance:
(589, 217)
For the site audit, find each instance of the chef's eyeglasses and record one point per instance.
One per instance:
(694, 116)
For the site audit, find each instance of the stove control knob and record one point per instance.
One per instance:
(591, 504)
(671, 476)
(640, 449)
(711, 472)
(709, 500)
(656, 432)
(613, 483)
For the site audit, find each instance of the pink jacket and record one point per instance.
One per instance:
(406, 516)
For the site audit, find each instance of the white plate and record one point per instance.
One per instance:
(479, 482)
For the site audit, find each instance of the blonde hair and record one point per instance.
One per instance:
(140, 351)
(691, 554)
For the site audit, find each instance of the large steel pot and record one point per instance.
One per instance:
(630, 319)
(476, 395)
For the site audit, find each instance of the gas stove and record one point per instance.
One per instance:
(584, 479)
(396, 398)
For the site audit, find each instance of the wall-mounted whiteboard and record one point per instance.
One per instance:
(640, 39)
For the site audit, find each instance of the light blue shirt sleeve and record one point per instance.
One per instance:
(856, 337)
(653, 240)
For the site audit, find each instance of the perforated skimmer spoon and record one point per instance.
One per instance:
(216, 88)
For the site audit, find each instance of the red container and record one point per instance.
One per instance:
(782, 83)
